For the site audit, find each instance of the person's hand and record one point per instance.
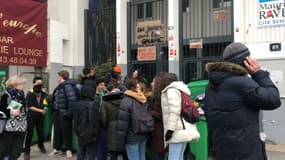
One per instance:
(16, 112)
(251, 65)
(168, 135)
(43, 111)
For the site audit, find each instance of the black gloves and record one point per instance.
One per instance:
(168, 135)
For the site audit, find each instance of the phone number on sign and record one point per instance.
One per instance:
(18, 60)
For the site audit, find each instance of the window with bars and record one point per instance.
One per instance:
(144, 10)
(148, 12)
(221, 3)
(140, 11)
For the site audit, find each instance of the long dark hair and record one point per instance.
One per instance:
(162, 80)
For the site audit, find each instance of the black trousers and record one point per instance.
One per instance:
(11, 145)
(62, 131)
(87, 152)
(38, 122)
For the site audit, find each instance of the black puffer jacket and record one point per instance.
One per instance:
(124, 133)
(110, 109)
(232, 104)
(86, 132)
(64, 96)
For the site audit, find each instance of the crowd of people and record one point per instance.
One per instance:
(114, 116)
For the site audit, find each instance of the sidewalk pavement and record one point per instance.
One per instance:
(274, 152)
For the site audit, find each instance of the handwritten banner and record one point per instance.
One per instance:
(23, 33)
(150, 32)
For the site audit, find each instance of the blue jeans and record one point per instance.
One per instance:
(101, 146)
(176, 151)
(136, 151)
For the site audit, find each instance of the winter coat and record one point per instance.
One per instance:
(16, 95)
(232, 104)
(89, 82)
(124, 132)
(87, 99)
(65, 97)
(171, 109)
(109, 116)
(157, 141)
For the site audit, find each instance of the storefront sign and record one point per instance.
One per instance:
(271, 13)
(220, 15)
(23, 33)
(196, 43)
(146, 53)
(150, 32)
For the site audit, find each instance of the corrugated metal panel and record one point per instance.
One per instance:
(198, 21)
(251, 33)
(215, 27)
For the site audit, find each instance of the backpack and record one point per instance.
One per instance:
(189, 112)
(86, 119)
(142, 121)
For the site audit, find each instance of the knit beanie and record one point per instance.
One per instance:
(236, 52)
(117, 69)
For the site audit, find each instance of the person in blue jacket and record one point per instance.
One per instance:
(64, 100)
(237, 91)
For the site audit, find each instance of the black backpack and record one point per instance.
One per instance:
(86, 121)
(142, 121)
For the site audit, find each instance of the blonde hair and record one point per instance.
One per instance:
(14, 81)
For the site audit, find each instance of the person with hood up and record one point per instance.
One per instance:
(64, 99)
(134, 143)
(109, 116)
(237, 91)
(177, 131)
(86, 121)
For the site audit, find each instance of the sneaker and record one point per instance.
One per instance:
(43, 149)
(26, 156)
(68, 154)
(54, 153)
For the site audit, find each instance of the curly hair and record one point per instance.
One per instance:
(162, 80)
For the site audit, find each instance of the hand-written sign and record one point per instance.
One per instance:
(150, 32)
(220, 15)
(146, 53)
(23, 36)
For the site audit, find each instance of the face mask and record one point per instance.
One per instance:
(38, 88)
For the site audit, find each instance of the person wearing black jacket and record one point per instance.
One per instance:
(11, 143)
(233, 101)
(109, 116)
(36, 102)
(86, 121)
(64, 99)
(134, 143)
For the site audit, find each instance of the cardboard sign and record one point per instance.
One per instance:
(146, 53)
(150, 32)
